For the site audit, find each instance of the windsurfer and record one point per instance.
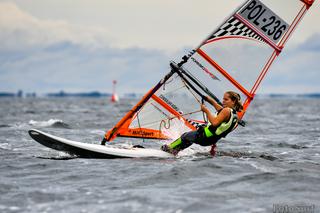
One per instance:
(219, 126)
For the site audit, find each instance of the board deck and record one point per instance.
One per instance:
(86, 150)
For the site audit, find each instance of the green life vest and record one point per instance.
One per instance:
(224, 128)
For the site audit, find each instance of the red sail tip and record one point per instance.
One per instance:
(308, 2)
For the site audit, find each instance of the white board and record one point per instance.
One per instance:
(87, 150)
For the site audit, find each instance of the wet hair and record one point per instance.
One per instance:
(237, 100)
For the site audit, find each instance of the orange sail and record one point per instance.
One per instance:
(235, 56)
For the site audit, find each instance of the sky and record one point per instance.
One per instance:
(80, 45)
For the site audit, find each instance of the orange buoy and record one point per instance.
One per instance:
(114, 97)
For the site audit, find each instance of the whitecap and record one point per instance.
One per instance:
(97, 132)
(5, 146)
(50, 122)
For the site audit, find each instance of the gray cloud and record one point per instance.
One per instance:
(297, 69)
(47, 56)
(74, 68)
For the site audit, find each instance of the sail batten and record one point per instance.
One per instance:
(224, 73)
(173, 111)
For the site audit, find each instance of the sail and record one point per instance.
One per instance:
(236, 56)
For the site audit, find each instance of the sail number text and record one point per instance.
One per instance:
(264, 20)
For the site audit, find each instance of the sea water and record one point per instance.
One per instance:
(270, 165)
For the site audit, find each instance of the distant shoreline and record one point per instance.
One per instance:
(96, 94)
(63, 94)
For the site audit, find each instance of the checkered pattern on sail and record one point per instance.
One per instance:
(236, 28)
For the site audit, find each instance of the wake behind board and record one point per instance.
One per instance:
(85, 150)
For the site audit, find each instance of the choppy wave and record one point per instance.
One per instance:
(246, 155)
(287, 145)
(57, 157)
(234, 154)
(30, 112)
(50, 123)
(255, 162)
(4, 125)
(5, 146)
